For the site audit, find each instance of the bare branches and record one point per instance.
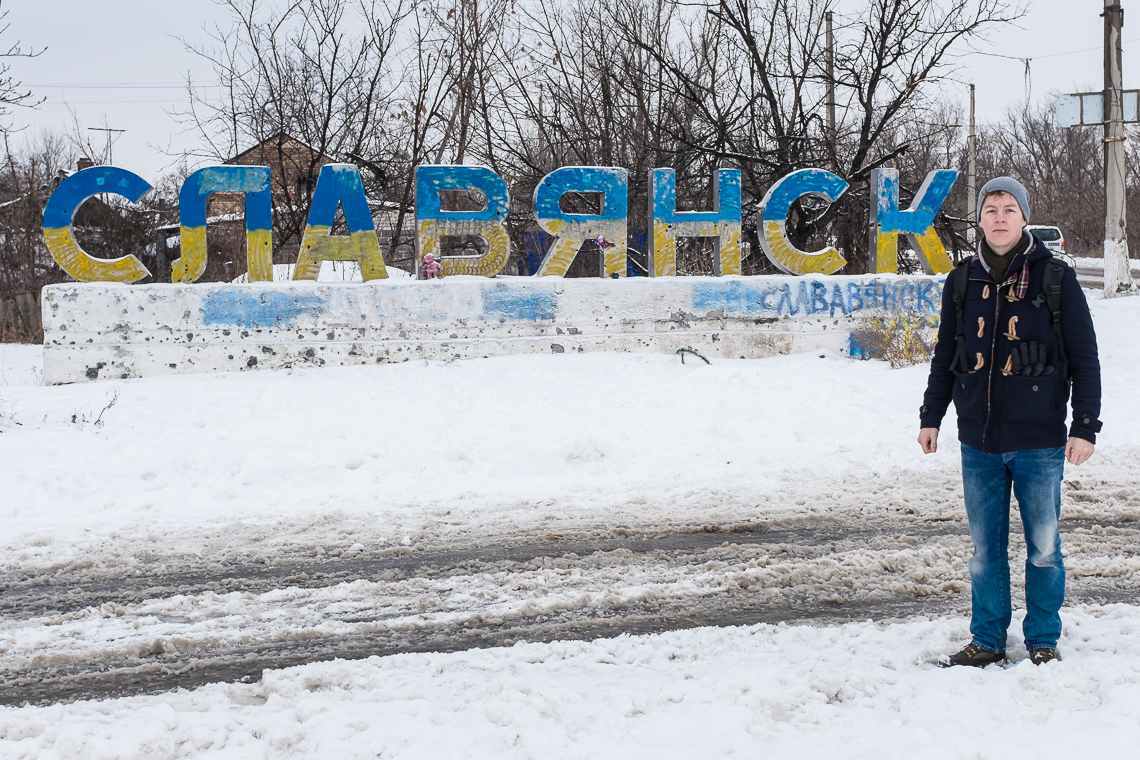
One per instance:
(1060, 167)
(894, 47)
(12, 91)
(313, 73)
(527, 86)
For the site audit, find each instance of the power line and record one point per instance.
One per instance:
(117, 85)
(1027, 60)
(65, 102)
(110, 141)
(1037, 57)
(1083, 50)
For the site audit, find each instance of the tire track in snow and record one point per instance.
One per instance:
(29, 595)
(75, 636)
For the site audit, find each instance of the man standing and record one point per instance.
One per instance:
(1011, 340)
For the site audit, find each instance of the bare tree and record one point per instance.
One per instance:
(888, 51)
(298, 76)
(526, 87)
(437, 93)
(1060, 167)
(742, 83)
(27, 179)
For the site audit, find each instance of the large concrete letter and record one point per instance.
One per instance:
(339, 184)
(432, 222)
(192, 202)
(61, 208)
(722, 223)
(917, 223)
(772, 225)
(570, 231)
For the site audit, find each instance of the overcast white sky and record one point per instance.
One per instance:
(119, 63)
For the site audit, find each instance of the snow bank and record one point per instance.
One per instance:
(1097, 262)
(854, 691)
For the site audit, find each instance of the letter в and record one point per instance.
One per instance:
(489, 223)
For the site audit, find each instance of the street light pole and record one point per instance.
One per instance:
(1117, 277)
(831, 131)
(971, 175)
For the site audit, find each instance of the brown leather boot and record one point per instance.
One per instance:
(1043, 655)
(973, 655)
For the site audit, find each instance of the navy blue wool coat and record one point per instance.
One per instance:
(1000, 412)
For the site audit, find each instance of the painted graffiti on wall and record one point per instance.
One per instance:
(571, 231)
(913, 303)
(901, 339)
(339, 185)
(804, 297)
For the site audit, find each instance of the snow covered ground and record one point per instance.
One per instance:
(331, 271)
(136, 477)
(20, 365)
(854, 691)
(433, 452)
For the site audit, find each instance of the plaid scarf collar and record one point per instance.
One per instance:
(1017, 277)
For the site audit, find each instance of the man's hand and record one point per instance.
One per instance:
(928, 440)
(1077, 450)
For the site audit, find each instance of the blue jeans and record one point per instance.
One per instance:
(1035, 476)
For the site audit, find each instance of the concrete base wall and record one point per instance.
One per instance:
(100, 330)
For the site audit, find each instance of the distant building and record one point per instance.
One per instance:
(293, 169)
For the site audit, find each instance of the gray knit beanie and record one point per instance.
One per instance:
(1006, 185)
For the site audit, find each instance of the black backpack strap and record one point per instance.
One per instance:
(1050, 295)
(961, 283)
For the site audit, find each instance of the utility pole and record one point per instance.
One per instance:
(971, 175)
(1117, 277)
(830, 56)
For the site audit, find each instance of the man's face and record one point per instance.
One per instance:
(1001, 222)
